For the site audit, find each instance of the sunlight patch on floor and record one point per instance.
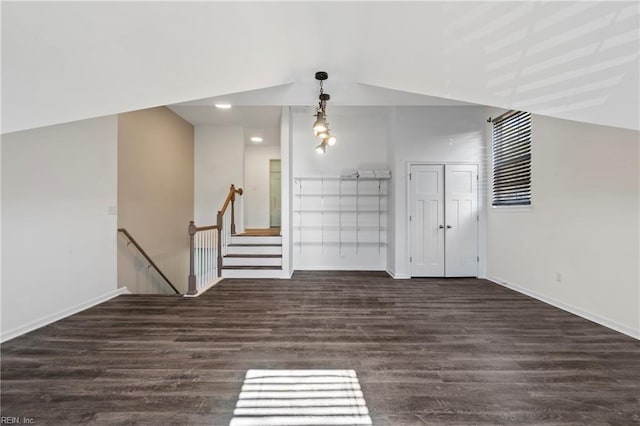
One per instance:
(300, 397)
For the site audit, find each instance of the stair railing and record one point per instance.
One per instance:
(131, 240)
(208, 245)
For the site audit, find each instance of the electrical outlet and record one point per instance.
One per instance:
(558, 277)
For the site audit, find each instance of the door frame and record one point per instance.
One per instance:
(408, 204)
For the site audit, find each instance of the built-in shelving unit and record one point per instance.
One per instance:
(339, 211)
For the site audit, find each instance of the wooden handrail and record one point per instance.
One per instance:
(202, 228)
(146, 256)
(230, 197)
(193, 229)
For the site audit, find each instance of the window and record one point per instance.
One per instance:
(512, 159)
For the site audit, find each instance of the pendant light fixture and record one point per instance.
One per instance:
(321, 125)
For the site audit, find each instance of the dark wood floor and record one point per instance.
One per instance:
(426, 351)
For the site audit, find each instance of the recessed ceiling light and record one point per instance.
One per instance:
(256, 139)
(223, 106)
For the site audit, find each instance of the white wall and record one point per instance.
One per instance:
(388, 138)
(362, 141)
(256, 184)
(155, 198)
(362, 144)
(286, 227)
(583, 224)
(437, 135)
(218, 163)
(391, 197)
(59, 192)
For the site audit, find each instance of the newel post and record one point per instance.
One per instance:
(192, 276)
(219, 225)
(233, 209)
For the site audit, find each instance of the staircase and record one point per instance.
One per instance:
(216, 251)
(253, 255)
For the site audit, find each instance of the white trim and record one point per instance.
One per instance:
(48, 319)
(398, 276)
(606, 322)
(340, 268)
(274, 274)
(204, 289)
(286, 276)
(512, 209)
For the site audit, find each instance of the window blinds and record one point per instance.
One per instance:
(512, 160)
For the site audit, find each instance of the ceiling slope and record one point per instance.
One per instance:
(65, 61)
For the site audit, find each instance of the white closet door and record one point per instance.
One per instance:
(461, 209)
(426, 200)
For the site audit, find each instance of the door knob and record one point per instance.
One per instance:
(449, 226)
(441, 226)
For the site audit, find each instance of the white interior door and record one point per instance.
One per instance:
(426, 199)
(461, 211)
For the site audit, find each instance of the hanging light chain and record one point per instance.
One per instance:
(321, 125)
(322, 103)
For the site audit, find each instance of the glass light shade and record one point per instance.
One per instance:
(320, 125)
(331, 140)
(322, 148)
(323, 134)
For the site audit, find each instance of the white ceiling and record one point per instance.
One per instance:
(306, 93)
(245, 116)
(65, 61)
(261, 121)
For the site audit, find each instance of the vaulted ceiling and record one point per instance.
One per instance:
(65, 61)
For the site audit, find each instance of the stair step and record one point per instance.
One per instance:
(252, 260)
(254, 249)
(254, 245)
(255, 239)
(253, 255)
(252, 267)
(253, 273)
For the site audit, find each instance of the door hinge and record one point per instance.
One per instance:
(410, 219)
(478, 218)
(409, 176)
(410, 259)
(477, 258)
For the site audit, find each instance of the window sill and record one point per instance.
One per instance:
(512, 209)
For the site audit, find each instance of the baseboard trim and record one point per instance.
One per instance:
(398, 276)
(49, 319)
(614, 325)
(204, 289)
(340, 268)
